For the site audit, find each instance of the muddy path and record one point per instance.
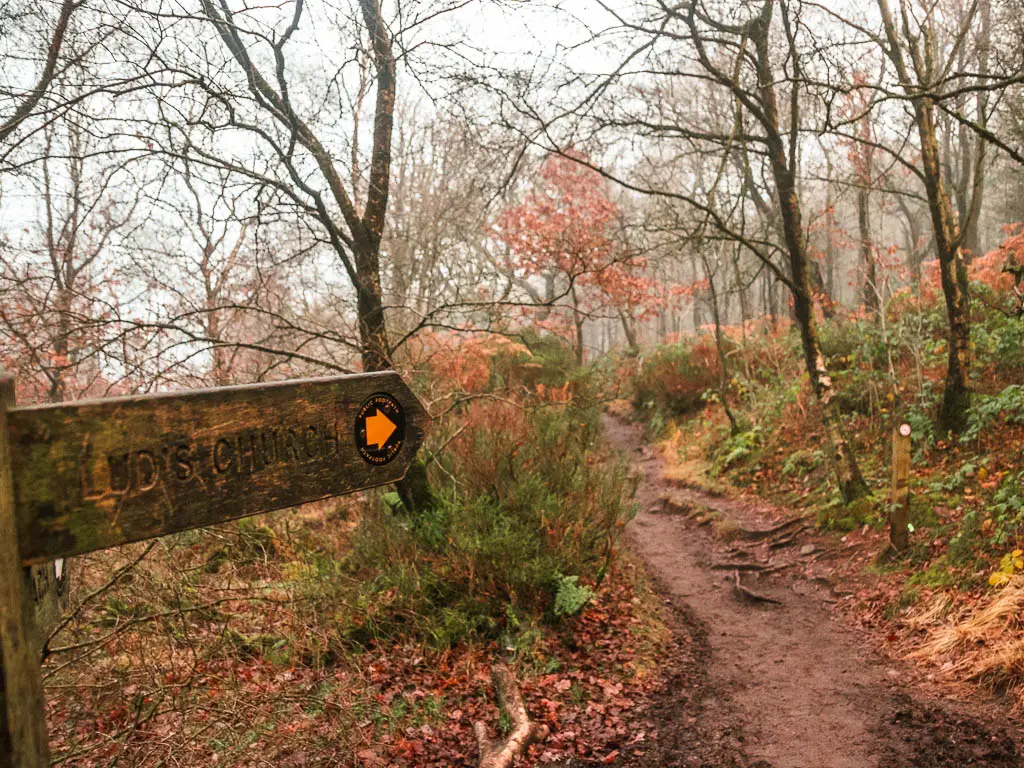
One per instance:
(781, 683)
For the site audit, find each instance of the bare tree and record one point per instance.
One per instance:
(911, 50)
(24, 103)
(304, 112)
(53, 306)
(438, 255)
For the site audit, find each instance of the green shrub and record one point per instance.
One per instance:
(938, 574)
(840, 342)
(986, 409)
(920, 416)
(735, 448)
(570, 597)
(997, 340)
(546, 360)
(802, 461)
(847, 343)
(837, 516)
(522, 534)
(857, 390)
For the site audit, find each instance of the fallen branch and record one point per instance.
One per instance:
(500, 754)
(751, 595)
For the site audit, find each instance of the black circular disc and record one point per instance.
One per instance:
(380, 429)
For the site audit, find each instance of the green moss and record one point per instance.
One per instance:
(836, 516)
(938, 574)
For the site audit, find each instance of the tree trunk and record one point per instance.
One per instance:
(953, 274)
(741, 291)
(915, 252)
(851, 482)
(869, 286)
(848, 476)
(723, 363)
(768, 294)
(956, 396)
(373, 334)
(629, 330)
(828, 308)
(577, 319)
(221, 374)
(972, 225)
(830, 232)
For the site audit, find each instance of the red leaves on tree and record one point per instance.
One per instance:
(990, 268)
(564, 230)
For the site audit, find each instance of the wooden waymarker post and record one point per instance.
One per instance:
(899, 517)
(88, 475)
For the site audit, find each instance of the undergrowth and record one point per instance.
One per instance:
(524, 528)
(355, 629)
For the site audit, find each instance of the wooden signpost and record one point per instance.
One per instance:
(899, 515)
(88, 475)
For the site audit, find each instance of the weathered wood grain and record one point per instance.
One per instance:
(22, 724)
(899, 515)
(95, 474)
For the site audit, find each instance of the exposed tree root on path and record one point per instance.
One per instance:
(749, 594)
(766, 533)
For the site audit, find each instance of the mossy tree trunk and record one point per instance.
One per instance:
(848, 476)
(916, 79)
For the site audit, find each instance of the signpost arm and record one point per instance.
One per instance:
(22, 721)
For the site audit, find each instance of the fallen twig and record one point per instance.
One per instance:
(118, 574)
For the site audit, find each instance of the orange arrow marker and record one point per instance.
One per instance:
(379, 428)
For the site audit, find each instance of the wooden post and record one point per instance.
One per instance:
(899, 516)
(22, 716)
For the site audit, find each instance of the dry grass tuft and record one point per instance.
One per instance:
(938, 608)
(621, 409)
(983, 646)
(727, 530)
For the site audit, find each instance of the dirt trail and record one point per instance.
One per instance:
(785, 685)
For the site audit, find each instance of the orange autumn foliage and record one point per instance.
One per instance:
(462, 361)
(565, 228)
(990, 268)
